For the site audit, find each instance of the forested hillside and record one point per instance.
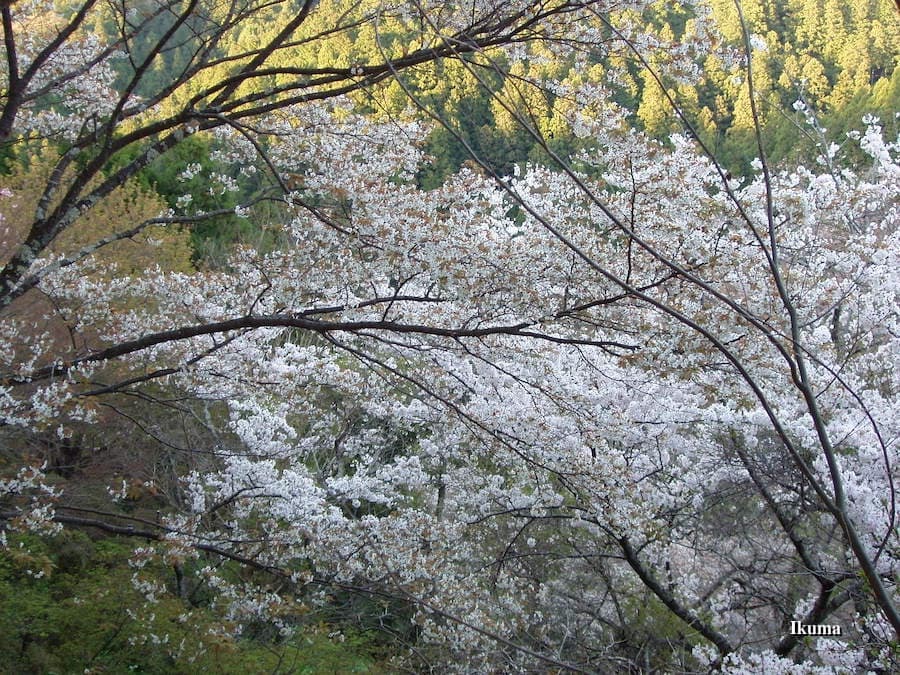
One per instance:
(404, 336)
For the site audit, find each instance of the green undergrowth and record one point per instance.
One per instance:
(68, 604)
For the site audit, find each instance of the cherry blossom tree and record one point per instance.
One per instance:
(615, 410)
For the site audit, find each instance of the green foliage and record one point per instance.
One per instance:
(172, 59)
(838, 57)
(212, 235)
(68, 605)
(652, 633)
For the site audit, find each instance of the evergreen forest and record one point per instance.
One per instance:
(486, 336)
